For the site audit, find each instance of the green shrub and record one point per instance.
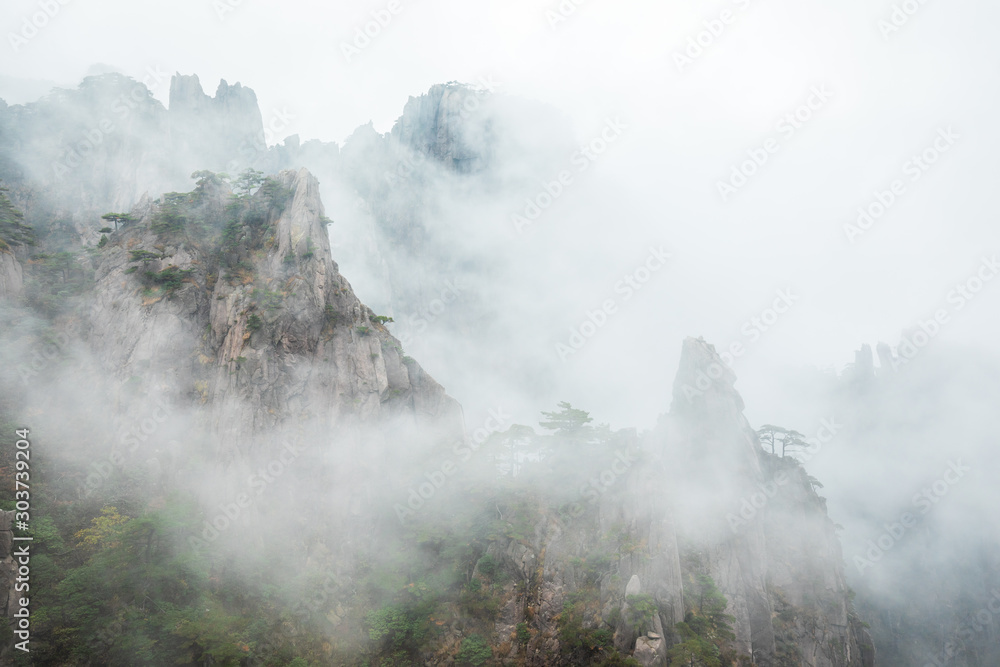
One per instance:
(275, 193)
(523, 634)
(694, 650)
(310, 249)
(13, 231)
(265, 298)
(333, 318)
(143, 256)
(707, 629)
(478, 600)
(475, 651)
(583, 644)
(602, 638)
(120, 220)
(233, 232)
(54, 279)
(616, 659)
(170, 220)
(488, 566)
(247, 182)
(615, 616)
(170, 278)
(593, 567)
(254, 323)
(641, 612)
(395, 627)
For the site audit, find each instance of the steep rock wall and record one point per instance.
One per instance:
(272, 349)
(11, 276)
(669, 520)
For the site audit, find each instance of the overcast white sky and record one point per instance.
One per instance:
(891, 95)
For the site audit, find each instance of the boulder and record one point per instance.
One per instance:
(650, 651)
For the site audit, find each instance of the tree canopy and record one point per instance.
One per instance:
(247, 182)
(118, 218)
(776, 437)
(567, 420)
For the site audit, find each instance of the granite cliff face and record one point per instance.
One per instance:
(227, 313)
(220, 133)
(437, 125)
(76, 154)
(780, 565)
(672, 510)
(279, 337)
(266, 341)
(11, 276)
(400, 199)
(77, 151)
(707, 436)
(14, 237)
(218, 353)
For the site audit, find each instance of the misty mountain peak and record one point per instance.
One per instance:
(442, 124)
(706, 428)
(703, 378)
(243, 280)
(223, 132)
(302, 230)
(186, 92)
(237, 102)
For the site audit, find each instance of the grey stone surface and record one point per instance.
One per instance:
(11, 277)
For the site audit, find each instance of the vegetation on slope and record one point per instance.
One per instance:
(13, 231)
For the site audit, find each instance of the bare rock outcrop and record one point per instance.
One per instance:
(663, 528)
(224, 132)
(650, 651)
(77, 154)
(11, 277)
(271, 346)
(437, 124)
(784, 560)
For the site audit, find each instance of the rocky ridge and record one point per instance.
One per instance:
(267, 340)
(253, 325)
(667, 521)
